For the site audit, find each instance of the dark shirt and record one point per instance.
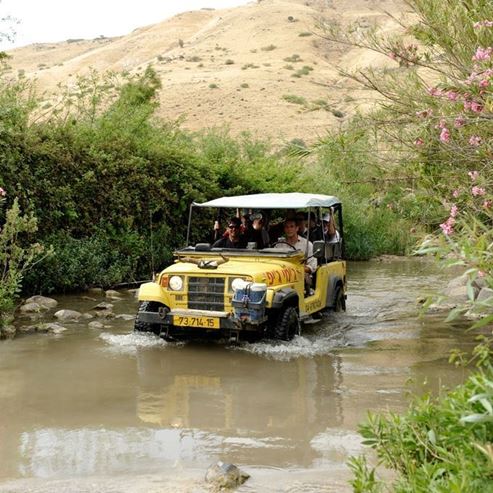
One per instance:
(316, 234)
(259, 236)
(225, 242)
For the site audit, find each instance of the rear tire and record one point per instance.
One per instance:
(147, 306)
(340, 301)
(288, 324)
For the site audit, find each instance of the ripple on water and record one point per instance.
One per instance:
(129, 343)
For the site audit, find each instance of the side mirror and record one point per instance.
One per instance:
(318, 248)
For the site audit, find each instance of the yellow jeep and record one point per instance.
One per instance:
(247, 293)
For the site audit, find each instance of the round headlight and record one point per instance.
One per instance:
(175, 283)
(237, 283)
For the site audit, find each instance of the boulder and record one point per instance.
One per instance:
(88, 298)
(125, 316)
(95, 325)
(68, 315)
(87, 316)
(7, 332)
(53, 328)
(42, 328)
(43, 301)
(105, 314)
(112, 294)
(225, 475)
(29, 308)
(483, 305)
(104, 306)
(458, 294)
(485, 296)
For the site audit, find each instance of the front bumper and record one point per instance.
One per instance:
(165, 318)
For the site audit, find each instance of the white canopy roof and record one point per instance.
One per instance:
(273, 201)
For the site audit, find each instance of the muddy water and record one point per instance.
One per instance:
(107, 410)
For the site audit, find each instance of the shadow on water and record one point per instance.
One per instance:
(86, 409)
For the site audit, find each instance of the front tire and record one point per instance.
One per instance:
(147, 306)
(288, 324)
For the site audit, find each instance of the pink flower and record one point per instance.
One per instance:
(455, 193)
(476, 107)
(482, 54)
(475, 141)
(477, 191)
(419, 142)
(444, 135)
(2, 192)
(480, 24)
(487, 204)
(434, 91)
(473, 175)
(452, 95)
(454, 210)
(448, 226)
(459, 122)
(484, 83)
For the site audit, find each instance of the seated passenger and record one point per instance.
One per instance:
(257, 233)
(233, 239)
(291, 237)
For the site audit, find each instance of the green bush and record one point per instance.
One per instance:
(439, 445)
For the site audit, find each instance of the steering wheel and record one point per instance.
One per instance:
(283, 243)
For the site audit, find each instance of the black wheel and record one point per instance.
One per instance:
(147, 306)
(339, 302)
(288, 324)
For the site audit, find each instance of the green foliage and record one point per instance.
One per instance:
(17, 254)
(293, 58)
(270, 47)
(439, 445)
(292, 98)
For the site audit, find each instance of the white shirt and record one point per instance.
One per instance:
(301, 246)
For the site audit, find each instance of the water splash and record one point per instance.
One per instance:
(129, 343)
(299, 347)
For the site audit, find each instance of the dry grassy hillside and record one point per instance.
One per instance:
(259, 68)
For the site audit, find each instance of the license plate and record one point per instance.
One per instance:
(199, 322)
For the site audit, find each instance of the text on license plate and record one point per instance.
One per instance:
(201, 322)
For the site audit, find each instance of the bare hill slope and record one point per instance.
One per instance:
(257, 68)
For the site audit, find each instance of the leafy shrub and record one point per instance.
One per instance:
(268, 47)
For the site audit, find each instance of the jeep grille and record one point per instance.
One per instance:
(206, 293)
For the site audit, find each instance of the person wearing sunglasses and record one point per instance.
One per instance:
(234, 238)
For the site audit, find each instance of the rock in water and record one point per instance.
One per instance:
(225, 475)
(112, 294)
(104, 306)
(43, 301)
(68, 315)
(30, 308)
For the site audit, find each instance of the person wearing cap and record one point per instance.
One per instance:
(291, 237)
(234, 238)
(257, 233)
(330, 233)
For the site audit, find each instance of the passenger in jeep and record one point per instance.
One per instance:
(234, 238)
(297, 242)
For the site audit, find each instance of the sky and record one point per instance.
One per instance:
(45, 21)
